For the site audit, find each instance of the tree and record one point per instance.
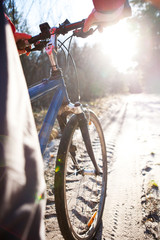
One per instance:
(146, 19)
(12, 12)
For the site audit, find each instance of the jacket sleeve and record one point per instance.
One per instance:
(105, 6)
(119, 8)
(12, 25)
(22, 184)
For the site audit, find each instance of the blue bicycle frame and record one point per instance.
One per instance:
(59, 96)
(56, 82)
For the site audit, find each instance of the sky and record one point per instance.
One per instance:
(56, 12)
(53, 11)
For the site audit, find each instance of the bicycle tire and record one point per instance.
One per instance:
(80, 199)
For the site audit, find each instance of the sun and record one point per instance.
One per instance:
(120, 45)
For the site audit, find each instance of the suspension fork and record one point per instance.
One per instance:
(83, 124)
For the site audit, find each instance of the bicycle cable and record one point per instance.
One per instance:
(73, 62)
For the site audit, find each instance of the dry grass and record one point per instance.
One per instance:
(39, 117)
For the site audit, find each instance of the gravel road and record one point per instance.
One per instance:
(132, 132)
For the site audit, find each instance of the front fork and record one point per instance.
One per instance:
(76, 109)
(83, 124)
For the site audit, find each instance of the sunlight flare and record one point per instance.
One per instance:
(120, 45)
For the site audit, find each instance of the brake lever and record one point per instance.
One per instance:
(24, 44)
(80, 33)
(40, 45)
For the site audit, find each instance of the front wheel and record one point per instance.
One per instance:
(79, 192)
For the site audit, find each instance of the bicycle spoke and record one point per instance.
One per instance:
(84, 191)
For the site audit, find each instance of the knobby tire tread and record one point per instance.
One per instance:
(60, 196)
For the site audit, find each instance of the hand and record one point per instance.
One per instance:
(103, 19)
(91, 20)
(22, 36)
(96, 18)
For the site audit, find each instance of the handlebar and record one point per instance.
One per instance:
(46, 33)
(63, 29)
(66, 26)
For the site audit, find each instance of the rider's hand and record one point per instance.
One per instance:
(104, 19)
(95, 18)
(22, 36)
(91, 20)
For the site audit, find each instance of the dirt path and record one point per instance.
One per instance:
(129, 214)
(132, 211)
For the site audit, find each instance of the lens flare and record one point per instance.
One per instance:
(119, 43)
(57, 169)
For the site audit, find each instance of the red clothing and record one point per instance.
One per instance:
(12, 25)
(107, 5)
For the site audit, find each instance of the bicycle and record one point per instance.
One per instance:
(81, 163)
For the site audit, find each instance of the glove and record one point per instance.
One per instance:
(22, 36)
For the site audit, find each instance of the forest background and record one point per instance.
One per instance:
(97, 75)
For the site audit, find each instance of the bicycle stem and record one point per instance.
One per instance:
(50, 47)
(52, 61)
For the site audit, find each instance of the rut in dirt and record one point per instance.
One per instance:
(131, 134)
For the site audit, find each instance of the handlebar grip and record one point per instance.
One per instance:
(80, 33)
(21, 44)
(35, 38)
